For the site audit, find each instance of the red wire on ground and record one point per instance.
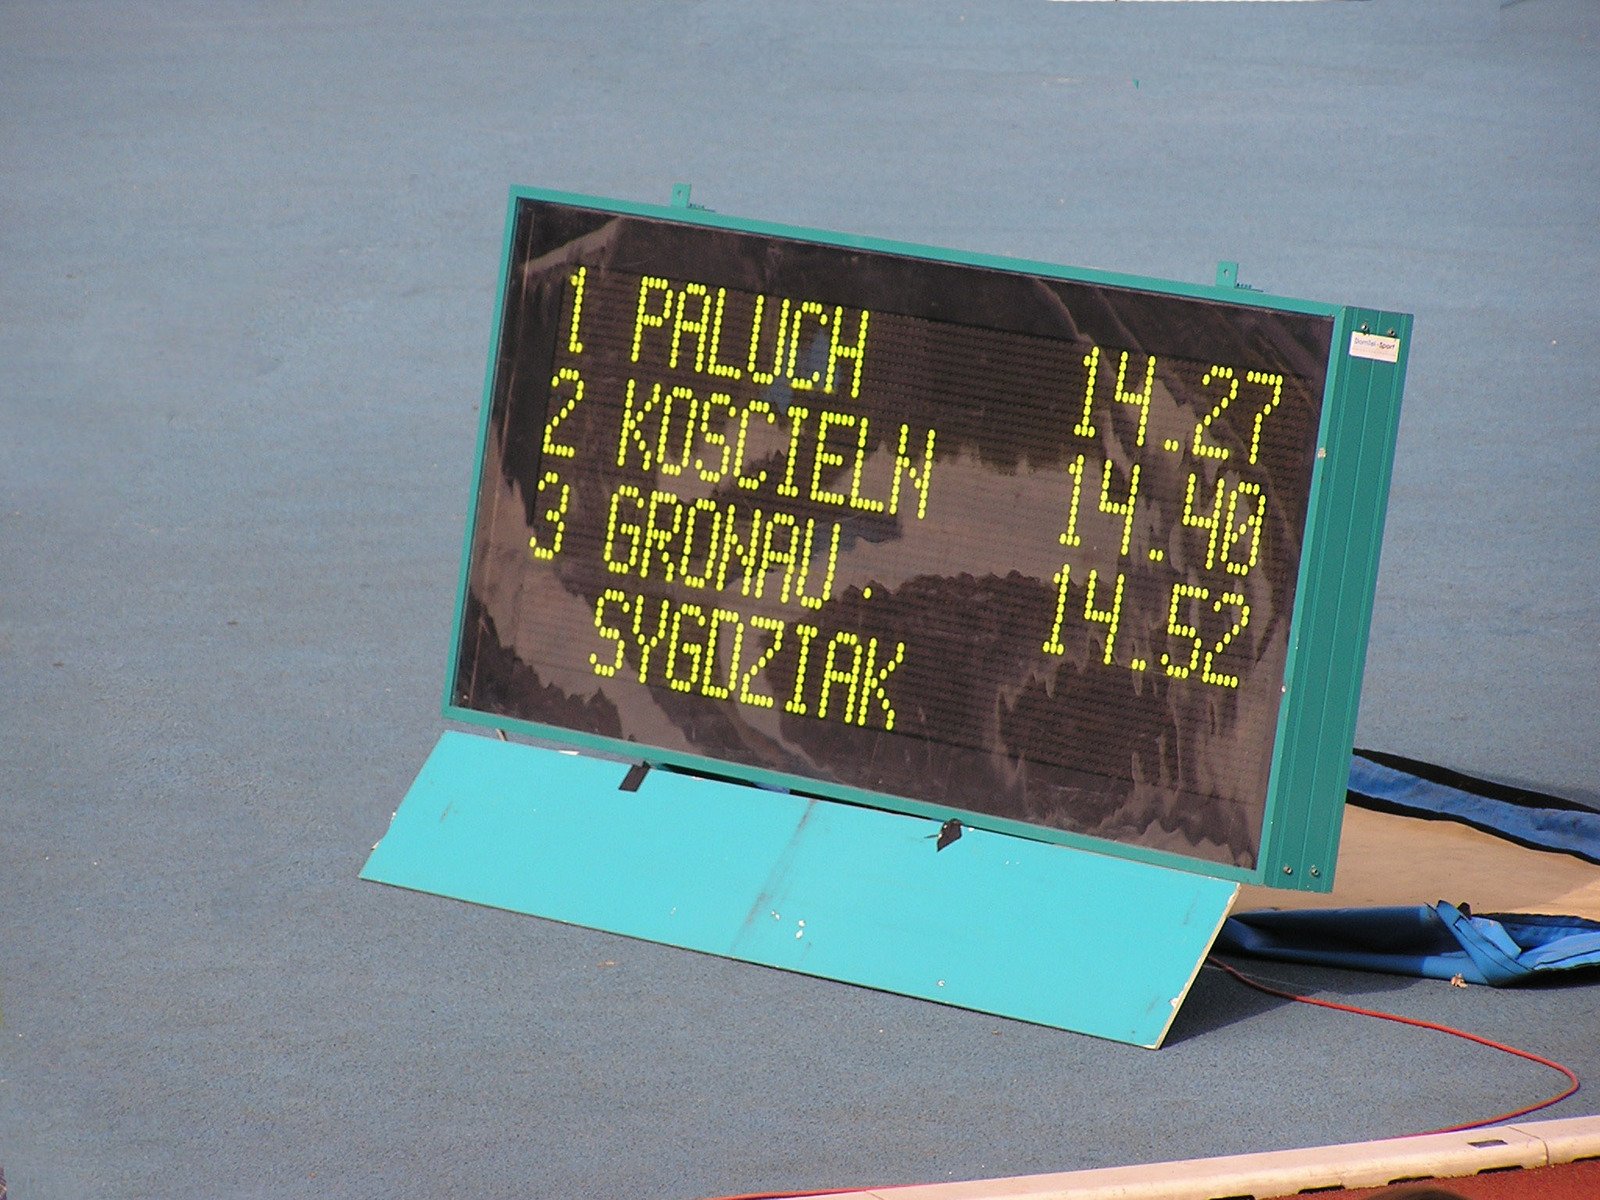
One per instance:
(1437, 1028)
(1347, 1008)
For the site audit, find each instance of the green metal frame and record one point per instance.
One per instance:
(1333, 602)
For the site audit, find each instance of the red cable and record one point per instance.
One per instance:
(1460, 1033)
(1360, 1012)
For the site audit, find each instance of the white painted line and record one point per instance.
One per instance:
(1285, 1172)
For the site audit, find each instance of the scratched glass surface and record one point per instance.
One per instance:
(1014, 545)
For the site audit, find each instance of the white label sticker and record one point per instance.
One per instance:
(1371, 345)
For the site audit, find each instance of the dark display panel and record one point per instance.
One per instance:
(1010, 544)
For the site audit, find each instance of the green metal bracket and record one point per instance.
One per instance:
(680, 199)
(1228, 277)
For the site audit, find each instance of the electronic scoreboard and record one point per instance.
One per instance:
(1079, 557)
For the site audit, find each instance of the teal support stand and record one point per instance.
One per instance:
(999, 924)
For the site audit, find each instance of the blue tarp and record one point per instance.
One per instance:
(1443, 941)
(1440, 942)
(1389, 783)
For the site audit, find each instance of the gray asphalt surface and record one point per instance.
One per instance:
(248, 256)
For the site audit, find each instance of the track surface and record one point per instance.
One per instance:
(247, 263)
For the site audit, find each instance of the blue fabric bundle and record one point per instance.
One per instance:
(1444, 941)
(1440, 942)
